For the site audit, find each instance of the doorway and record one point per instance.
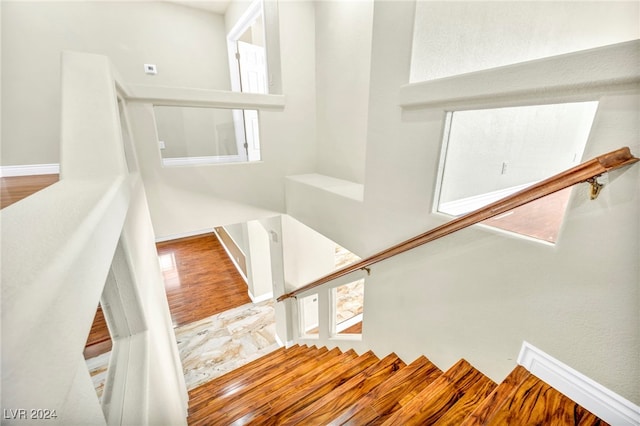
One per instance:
(248, 70)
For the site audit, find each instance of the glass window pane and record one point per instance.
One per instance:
(192, 135)
(493, 153)
(348, 307)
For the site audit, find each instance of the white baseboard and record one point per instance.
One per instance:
(259, 299)
(184, 235)
(348, 323)
(30, 170)
(604, 403)
(281, 343)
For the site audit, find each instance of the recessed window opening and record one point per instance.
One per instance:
(348, 307)
(492, 153)
(194, 135)
(347, 299)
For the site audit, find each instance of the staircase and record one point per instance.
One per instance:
(315, 386)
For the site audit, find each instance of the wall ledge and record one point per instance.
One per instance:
(185, 96)
(30, 170)
(604, 403)
(341, 187)
(577, 76)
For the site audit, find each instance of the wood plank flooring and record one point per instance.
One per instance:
(16, 188)
(312, 386)
(200, 281)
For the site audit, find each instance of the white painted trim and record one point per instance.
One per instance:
(238, 268)
(570, 77)
(348, 323)
(469, 204)
(252, 12)
(285, 344)
(264, 297)
(30, 170)
(198, 161)
(244, 22)
(604, 403)
(182, 96)
(184, 235)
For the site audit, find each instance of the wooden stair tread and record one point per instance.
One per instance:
(315, 386)
(290, 403)
(433, 402)
(256, 397)
(296, 387)
(468, 402)
(236, 389)
(385, 399)
(325, 409)
(535, 402)
(253, 367)
(493, 402)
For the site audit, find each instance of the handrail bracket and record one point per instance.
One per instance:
(596, 187)
(364, 268)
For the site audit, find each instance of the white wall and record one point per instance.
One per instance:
(259, 261)
(458, 37)
(187, 45)
(188, 199)
(307, 254)
(64, 258)
(479, 293)
(343, 58)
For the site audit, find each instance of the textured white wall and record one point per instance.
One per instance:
(453, 38)
(479, 293)
(343, 58)
(189, 199)
(307, 254)
(187, 45)
(259, 260)
(56, 266)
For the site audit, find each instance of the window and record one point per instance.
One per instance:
(490, 154)
(348, 304)
(191, 135)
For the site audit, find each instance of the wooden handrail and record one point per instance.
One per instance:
(583, 172)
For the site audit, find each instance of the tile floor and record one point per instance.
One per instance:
(220, 343)
(213, 346)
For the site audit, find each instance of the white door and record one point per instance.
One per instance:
(253, 79)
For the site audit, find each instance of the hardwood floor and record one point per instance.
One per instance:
(16, 188)
(200, 281)
(99, 340)
(540, 219)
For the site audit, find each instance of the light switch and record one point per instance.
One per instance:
(150, 69)
(161, 144)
